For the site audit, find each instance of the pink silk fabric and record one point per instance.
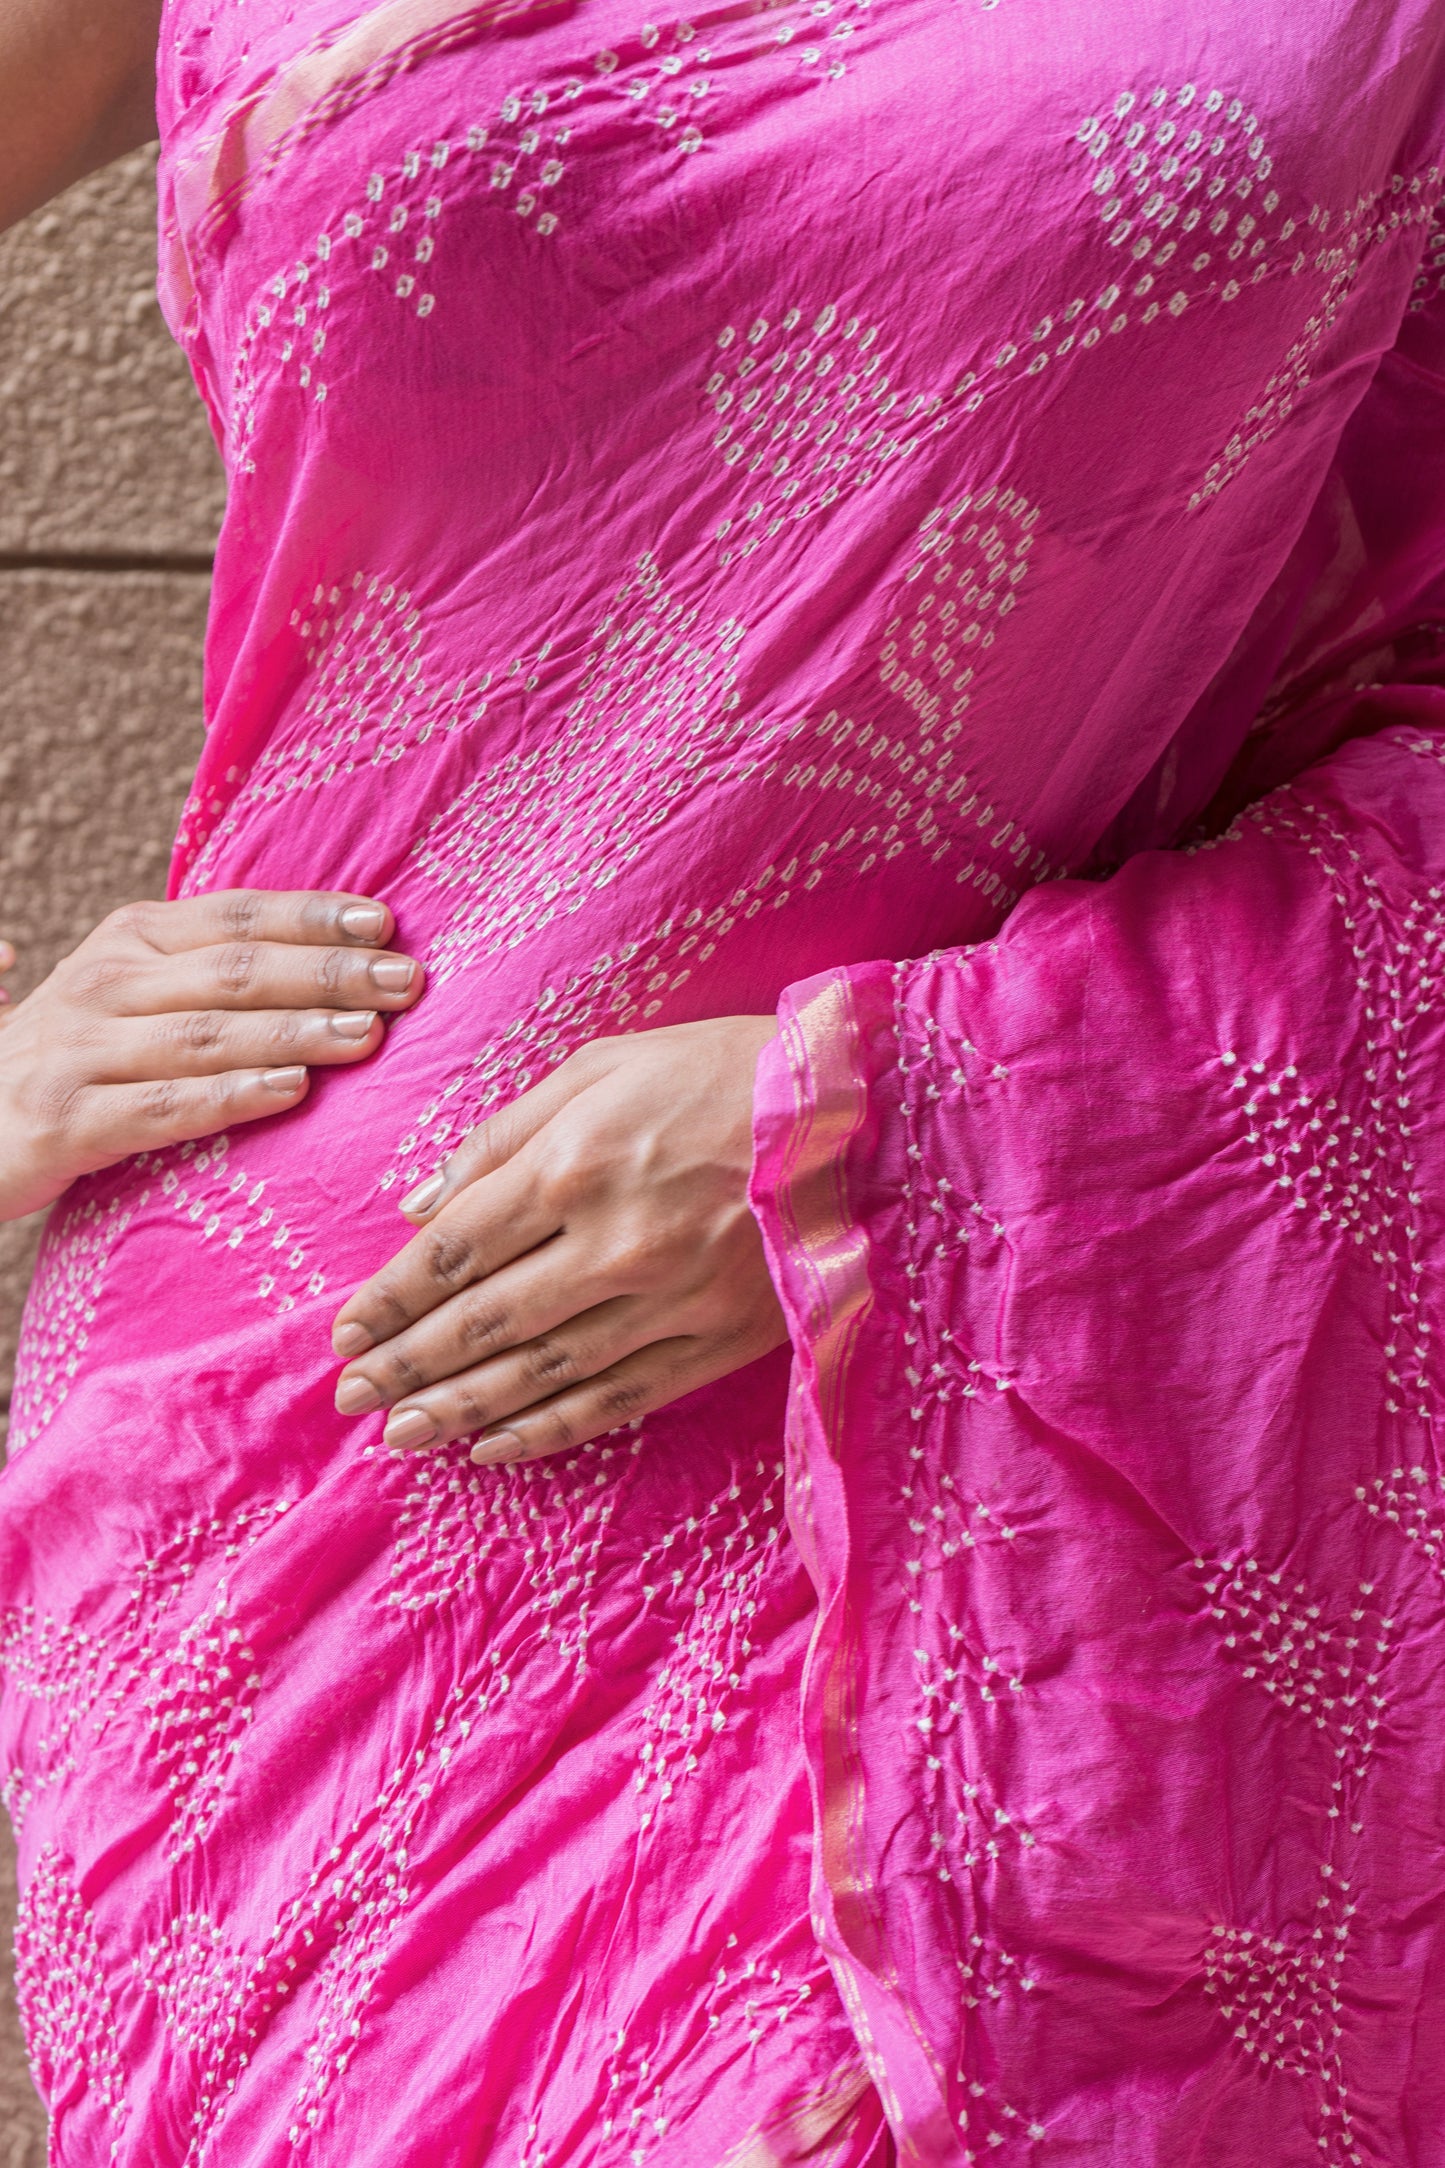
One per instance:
(720, 505)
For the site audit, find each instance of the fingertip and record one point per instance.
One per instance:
(423, 1201)
(398, 979)
(358, 1030)
(367, 922)
(284, 1083)
(407, 1428)
(498, 1449)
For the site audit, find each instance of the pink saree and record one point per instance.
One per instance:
(719, 506)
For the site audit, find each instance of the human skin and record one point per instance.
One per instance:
(176, 1020)
(641, 1275)
(77, 88)
(586, 1256)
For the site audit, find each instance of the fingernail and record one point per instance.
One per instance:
(355, 1396)
(364, 921)
(354, 1025)
(285, 1081)
(498, 1447)
(350, 1339)
(408, 1426)
(425, 1195)
(393, 974)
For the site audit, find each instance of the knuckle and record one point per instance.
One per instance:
(550, 1364)
(586, 1058)
(236, 966)
(736, 1337)
(131, 921)
(448, 1256)
(565, 1174)
(160, 1101)
(483, 1326)
(221, 1093)
(632, 1262)
(286, 1031)
(619, 1399)
(331, 969)
(54, 1108)
(240, 915)
(555, 1431)
(199, 1033)
(396, 1374)
(315, 917)
(97, 981)
(470, 1407)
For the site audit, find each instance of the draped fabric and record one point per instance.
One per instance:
(721, 507)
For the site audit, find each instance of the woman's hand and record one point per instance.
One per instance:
(173, 1020)
(587, 1255)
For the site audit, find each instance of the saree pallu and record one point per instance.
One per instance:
(722, 506)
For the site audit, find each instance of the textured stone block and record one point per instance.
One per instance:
(104, 452)
(98, 742)
(104, 447)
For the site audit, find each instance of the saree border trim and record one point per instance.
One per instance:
(822, 1035)
(821, 1039)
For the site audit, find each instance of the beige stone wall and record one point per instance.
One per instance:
(110, 496)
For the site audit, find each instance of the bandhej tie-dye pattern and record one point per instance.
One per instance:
(723, 509)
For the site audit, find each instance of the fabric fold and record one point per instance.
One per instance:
(710, 506)
(1105, 1249)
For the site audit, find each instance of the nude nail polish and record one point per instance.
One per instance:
(393, 974)
(356, 1396)
(497, 1448)
(425, 1195)
(350, 1339)
(364, 921)
(285, 1081)
(355, 1024)
(409, 1426)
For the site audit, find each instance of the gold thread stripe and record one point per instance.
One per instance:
(831, 1105)
(262, 131)
(823, 2117)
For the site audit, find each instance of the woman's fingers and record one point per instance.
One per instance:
(601, 1369)
(304, 917)
(111, 1121)
(650, 1378)
(210, 1042)
(453, 1406)
(496, 1140)
(251, 975)
(488, 1226)
(486, 1323)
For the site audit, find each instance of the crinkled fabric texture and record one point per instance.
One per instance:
(1113, 1248)
(717, 502)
